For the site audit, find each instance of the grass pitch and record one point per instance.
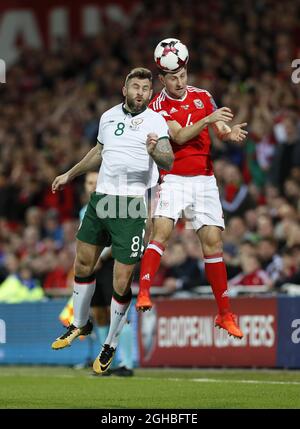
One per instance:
(59, 387)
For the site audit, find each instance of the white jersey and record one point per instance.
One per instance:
(127, 168)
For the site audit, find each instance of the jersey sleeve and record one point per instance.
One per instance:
(167, 117)
(100, 136)
(210, 104)
(163, 113)
(161, 127)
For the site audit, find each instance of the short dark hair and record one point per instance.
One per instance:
(140, 73)
(164, 73)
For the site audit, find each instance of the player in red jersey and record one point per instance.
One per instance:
(191, 187)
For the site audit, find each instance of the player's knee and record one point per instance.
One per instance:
(121, 283)
(162, 235)
(212, 246)
(161, 239)
(82, 267)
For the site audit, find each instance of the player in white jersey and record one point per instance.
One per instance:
(116, 213)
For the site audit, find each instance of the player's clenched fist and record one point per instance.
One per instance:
(59, 182)
(151, 142)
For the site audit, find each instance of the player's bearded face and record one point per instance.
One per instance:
(138, 94)
(175, 83)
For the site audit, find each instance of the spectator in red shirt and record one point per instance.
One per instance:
(56, 281)
(252, 274)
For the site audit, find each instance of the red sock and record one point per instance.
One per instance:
(216, 274)
(150, 264)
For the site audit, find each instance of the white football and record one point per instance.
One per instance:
(170, 55)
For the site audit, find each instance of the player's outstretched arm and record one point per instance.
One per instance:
(161, 151)
(91, 160)
(181, 135)
(234, 134)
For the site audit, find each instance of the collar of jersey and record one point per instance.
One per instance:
(132, 114)
(175, 99)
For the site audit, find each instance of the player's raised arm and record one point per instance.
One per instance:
(181, 135)
(161, 151)
(91, 161)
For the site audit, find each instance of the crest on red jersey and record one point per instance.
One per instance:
(199, 103)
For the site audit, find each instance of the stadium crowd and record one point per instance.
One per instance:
(49, 113)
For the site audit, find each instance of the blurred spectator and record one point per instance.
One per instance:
(57, 281)
(252, 274)
(287, 152)
(19, 284)
(271, 262)
(52, 227)
(235, 232)
(292, 192)
(183, 272)
(34, 217)
(235, 197)
(290, 268)
(265, 228)
(250, 218)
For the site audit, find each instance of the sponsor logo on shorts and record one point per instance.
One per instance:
(133, 254)
(164, 204)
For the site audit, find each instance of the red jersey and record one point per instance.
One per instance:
(257, 278)
(193, 157)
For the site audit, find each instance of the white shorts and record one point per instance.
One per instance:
(194, 197)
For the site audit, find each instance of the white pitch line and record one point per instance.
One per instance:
(214, 380)
(24, 374)
(195, 380)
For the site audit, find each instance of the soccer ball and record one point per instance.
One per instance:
(170, 55)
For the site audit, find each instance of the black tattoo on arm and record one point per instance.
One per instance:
(163, 154)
